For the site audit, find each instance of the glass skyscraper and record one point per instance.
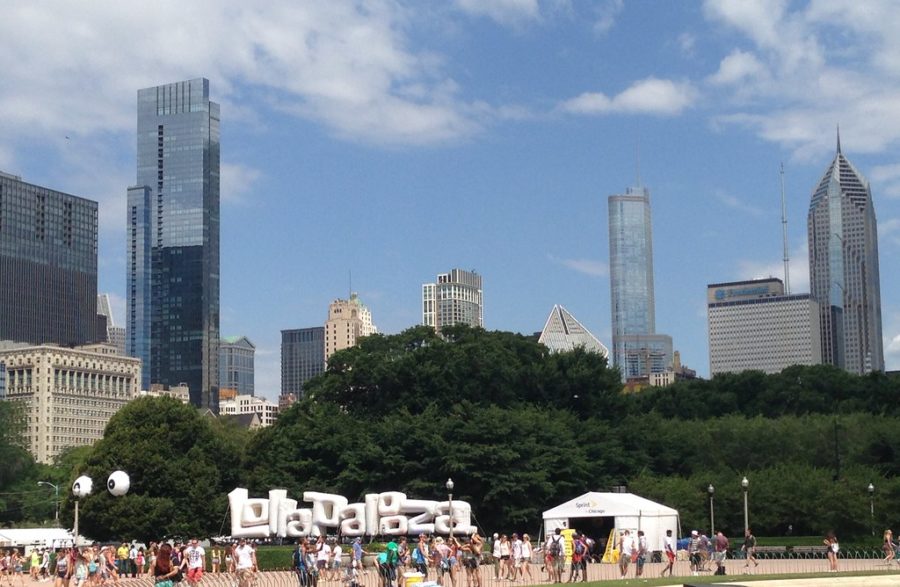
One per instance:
(302, 358)
(637, 349)
(173, 240)
(843, 268)
(48, 266)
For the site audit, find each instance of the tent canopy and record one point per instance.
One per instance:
(594, 504)
(34, 536)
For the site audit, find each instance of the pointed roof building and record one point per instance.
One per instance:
(563, 332)
(843, 267)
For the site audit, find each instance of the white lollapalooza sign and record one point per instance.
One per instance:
(389, 513)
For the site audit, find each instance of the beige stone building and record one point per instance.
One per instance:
(69, 394)
(348, 321)
(248, 404)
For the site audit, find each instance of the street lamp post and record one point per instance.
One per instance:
(745, 485)
(872, 507)
(712, 510)
(450, 503)
(56, 489)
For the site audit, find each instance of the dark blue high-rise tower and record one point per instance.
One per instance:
(173, 240)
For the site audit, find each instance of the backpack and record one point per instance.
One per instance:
(579, 547)
(555, 548)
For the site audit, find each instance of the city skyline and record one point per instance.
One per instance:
(483, 135)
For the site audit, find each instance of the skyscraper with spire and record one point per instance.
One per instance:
(843, 267)
(637, 350)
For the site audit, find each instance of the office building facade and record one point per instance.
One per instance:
(638, 350)
(753, 325)
(348, 321)
(68, 394)
(236, 364)
(456, 297)
(48, 265)
(173, 240)
(302, 358)
(843, 268)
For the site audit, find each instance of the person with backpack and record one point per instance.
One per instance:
(556, 555)
(579, 558)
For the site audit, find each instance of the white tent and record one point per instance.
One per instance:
(35, 537)
(626, 511)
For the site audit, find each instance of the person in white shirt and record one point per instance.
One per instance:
(527, 553)
(626, 549)
(195, 561)
(517, 557)
(670, 554)
(335, 562)
(555, 555)
(323, 557)
(496, 554)
(245, 563)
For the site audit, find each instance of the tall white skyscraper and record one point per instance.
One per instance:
(843, 268)
(455, 298)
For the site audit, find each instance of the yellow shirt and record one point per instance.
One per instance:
(122, 553)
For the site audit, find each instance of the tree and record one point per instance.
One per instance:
(181, 466)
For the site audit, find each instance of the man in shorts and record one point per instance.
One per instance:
(556, 552)
(245, 563)
(670, 554)
(195, 559)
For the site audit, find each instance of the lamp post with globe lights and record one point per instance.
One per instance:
(871, 489)
(745, 485)
(450, 503)
(712, 510)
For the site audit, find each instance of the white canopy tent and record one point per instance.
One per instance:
(29, 538)
(622, 511)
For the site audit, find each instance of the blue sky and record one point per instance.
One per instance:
(397, 140)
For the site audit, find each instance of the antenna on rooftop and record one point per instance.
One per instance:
(787, 263)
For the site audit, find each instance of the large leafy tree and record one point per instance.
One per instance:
(181, 464)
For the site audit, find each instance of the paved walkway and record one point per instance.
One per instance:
(596, 572)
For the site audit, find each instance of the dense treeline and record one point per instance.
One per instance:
(520, 430)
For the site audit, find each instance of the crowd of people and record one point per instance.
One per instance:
(103, 565)
(448, 562)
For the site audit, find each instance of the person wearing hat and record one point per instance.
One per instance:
(694, 552)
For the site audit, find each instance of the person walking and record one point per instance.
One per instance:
(556, 555)
(579, 554)
(626, 551)
(527, 555)
(694, 552)
(195, 562)
(669, 546)
(245, 563)
(721, 549)
(749, 549)
(642, 553)
(888, 547)
(834, 549)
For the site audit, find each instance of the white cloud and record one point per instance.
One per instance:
(735, 203)
(799, 267)
(607, 12)
(736, 67)
(687, 42)
(798, 78)
(590, 267)
(75, 67)
(648, 96)
(237, 181)
(505, 12)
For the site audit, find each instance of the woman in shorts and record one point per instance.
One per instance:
(62, 568)
(527, 554)
(833, 550)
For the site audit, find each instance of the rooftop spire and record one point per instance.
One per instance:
(838, 139)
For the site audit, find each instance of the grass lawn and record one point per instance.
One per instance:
(705, 580)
